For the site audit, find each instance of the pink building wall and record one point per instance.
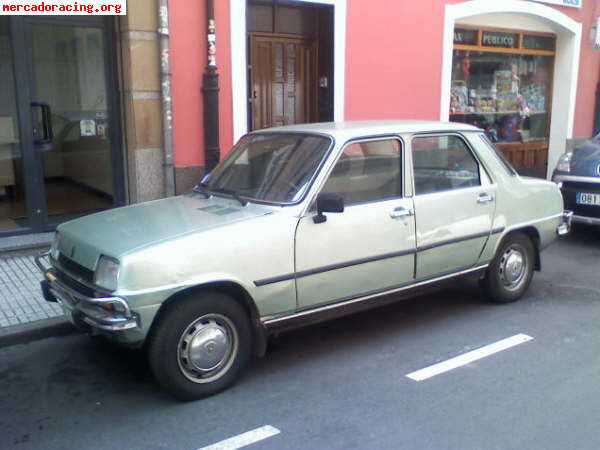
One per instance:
(188, 50)
(188, 60)
(589, 69)
(393, 67)
(393, 59)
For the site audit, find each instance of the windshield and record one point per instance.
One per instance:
(270, 167)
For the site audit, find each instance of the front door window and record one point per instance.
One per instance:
(367, 171)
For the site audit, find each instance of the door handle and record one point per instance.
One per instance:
(401, 212)
(48, 135)
(484, 197)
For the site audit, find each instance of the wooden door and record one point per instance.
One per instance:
(283, 81)
(529, 158)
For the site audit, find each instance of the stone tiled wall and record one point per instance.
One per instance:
(187, 177)
(141, 93)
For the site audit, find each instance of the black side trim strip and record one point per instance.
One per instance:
(459, 239)
(452, 241)
(356, 262)
(278, 279)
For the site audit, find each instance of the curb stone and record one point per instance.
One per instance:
(33, 331)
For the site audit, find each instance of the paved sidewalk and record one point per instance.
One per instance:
(21, 300)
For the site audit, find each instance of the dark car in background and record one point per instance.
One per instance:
(578, 176)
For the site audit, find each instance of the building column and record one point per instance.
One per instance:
(141, 94)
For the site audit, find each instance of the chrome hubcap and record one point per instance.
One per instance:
(513, 267)
(207, 348)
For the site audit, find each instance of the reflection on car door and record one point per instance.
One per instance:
(371, 245)
(454, 205)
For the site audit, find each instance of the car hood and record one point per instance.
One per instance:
(585, 160)
(124, 230)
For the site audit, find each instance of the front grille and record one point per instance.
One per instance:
(72, 273)
(570, 190)
(74, 284)
(76, 269)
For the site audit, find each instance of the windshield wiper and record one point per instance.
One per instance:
(201, 189)
(231, 192)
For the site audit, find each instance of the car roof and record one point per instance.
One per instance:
(355, 129)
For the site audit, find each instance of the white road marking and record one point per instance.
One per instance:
(244, 439)
(467, 358)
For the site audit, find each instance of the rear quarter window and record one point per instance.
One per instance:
(510, 170)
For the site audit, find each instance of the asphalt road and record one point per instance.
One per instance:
(343, 385)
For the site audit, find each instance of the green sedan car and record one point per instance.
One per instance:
(297, 225)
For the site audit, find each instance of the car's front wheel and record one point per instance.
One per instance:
(200, 345)
(510, 273)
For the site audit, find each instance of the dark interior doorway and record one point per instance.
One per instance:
(290, 50)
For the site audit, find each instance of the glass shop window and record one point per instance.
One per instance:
(507, 95)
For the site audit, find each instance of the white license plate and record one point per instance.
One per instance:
(588, 199)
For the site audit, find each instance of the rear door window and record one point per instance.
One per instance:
(443, 163)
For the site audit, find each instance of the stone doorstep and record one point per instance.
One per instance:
(25, 244)
(33, 331)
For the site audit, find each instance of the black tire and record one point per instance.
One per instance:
(208, 321)
(500, 284)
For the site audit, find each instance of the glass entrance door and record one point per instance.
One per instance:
(13, 209)
(66, 128)
(70, 118)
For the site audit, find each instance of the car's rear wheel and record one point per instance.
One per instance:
(510, 273)
(200, 345)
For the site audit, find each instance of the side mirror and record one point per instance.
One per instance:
(330, 203)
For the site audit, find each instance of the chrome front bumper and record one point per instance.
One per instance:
(565, 225)
(103, 313)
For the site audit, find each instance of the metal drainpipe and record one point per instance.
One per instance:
(210, 91)
(167, 103)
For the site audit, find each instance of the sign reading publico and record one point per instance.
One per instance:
(569, 3)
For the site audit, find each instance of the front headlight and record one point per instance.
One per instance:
(107, 273)
(54, 250)
(564, 162)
